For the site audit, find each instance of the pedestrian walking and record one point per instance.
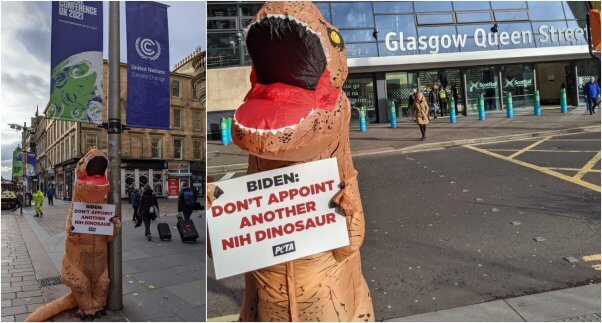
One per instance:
(186, 201)
(592, 94)
(19, 204)
(38, 199)
(421, 113)
(148, 211)
(411, 100)
(135, 202)
(434, 101)
(50, 195)
(443, 101)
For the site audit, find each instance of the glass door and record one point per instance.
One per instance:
(360, 91)
(399, 89)
(482, 80)
(519, 81)
(450, 79)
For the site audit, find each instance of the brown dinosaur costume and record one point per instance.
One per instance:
(296, 112)
(85, 263)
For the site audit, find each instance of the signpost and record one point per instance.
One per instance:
(275, 216)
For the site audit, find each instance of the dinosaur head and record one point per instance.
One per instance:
(92, 185)
(294, 108)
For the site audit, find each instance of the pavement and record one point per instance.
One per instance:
(478, 230)
(380, 138)
(162, 281)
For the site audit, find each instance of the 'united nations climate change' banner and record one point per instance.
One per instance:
(76, 61)
(30, 167)
(148, 65)
(17, 163)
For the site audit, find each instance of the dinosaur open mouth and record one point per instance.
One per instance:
(96, 170)
(290, 79)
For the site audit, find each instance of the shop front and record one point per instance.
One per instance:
(60, 182)
(178, 174)
(197, 168)
(138, 174)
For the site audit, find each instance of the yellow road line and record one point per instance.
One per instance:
(593, 258)
(528, 147)
(564, 139)
(573, 169)
(585, 169)
(225, 318)
(544, 170)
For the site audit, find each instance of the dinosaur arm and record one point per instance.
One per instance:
(213, 192)
(348, 200)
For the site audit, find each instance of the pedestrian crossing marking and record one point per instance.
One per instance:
(593, 258)
(585, 169)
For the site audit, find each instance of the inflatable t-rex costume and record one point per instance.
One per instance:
(85, 263)
(296, 112)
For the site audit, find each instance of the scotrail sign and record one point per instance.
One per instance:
(76, 61)
(148, 65)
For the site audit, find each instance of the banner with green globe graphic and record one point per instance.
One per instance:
(17, 163)
(76, 62)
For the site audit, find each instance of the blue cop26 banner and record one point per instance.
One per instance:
(76, 61)
(148, 65)
(30, 167)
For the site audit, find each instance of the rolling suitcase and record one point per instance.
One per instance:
(187, 230)
(164, 231)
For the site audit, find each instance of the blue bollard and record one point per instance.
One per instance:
(363, 119)
(563, 103)
(224, 128)
(509, 108)
(229, 131)
(481, 107)
(452, 110)
(393, 115)
(536, 104)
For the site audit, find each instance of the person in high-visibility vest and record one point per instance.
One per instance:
(38, 199)
(443, 101)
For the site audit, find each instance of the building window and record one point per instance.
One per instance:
(156, 145)
(73, 146)
(177, 148)
(177, 118)
(352, 15)
(91, 141)
(197, 149)
(175, 88)
(196, 120)
(195, 94)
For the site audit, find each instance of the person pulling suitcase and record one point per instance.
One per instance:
(186, 201)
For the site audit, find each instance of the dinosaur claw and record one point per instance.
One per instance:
(218, 192)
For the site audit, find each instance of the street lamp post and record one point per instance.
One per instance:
(115, 299)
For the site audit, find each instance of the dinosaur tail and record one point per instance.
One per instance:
(53, 308)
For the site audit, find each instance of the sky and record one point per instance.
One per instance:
(25, 57)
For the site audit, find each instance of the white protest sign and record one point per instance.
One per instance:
(275, 216)
(92, 218)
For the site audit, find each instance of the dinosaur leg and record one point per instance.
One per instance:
(80, 285)
(100, 292)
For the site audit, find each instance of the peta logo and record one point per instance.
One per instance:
(92, 229)
(284, 248)
(148, 48)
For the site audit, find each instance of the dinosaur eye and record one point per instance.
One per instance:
(335, 39)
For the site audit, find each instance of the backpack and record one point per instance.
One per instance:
(188, 198)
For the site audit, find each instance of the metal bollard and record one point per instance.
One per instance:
(452, 110)
(363, 119)
(563, 102)
(536, 104)
(393, 115)
(509, 108)
(481, 107)
(224, 128)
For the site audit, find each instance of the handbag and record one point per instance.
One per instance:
(152, 211)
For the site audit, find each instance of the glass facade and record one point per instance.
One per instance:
(365, 25)
(360, 91)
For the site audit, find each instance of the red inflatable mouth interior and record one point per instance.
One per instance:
(289, 77)
(277, 106)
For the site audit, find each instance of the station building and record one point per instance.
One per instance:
(471, 48)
